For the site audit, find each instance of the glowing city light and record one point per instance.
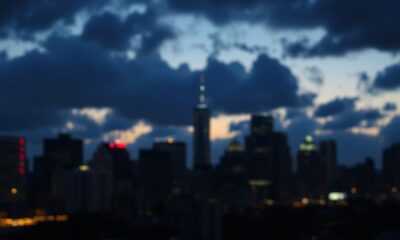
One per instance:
(117, 145)
(259, 182)
(30, 221)
(14, 191)
(337, 196)
(84, 168)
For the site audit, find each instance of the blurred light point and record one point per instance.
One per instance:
(84, 168)
(14, 191)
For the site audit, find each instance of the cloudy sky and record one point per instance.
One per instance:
(129, 70)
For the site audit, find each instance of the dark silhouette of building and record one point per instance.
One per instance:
(311, 170)
(60, 155)
(233, 186)
(282, 165)
(63, 152)
(87, 190)
(113, 160)
(328, 152)
(259, 152)
(13, 169)
(201, 134)
(391, 166)
(234, 159)
(177, 152)
(269, 159)
(360, 180)
(160, 169)
(192, 218)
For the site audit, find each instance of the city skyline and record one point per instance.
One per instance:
(125, 69)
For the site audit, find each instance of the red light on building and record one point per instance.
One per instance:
(117, 145)
(21, 157)
(120, 145)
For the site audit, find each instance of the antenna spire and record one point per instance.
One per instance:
(202, 94)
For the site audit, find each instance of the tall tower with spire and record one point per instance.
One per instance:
(201, 134)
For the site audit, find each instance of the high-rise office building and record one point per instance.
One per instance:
(234, 159)
(359, 179)
(60, 154)
(160, 169)
(114, 159)
(233, 187)
(269, 159)
(311, 170)
(63, 152)
(201, 134)
(87, 191)
(259, 146)
(328, 152)
(13, 169)
(282, 166)
(391, 166)
(177, 152)
(260, 155)
(261, 126)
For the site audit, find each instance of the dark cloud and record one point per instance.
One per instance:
(337, 106)
(115, 33)
(73, 73)
(253, 92)
(109, 30)
(26, 16)
(390, 106)
(152, 40)
(353, 118)
(344, 121)
(348, 25)
(388, 79)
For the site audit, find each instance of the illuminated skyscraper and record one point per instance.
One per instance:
(201, 134)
